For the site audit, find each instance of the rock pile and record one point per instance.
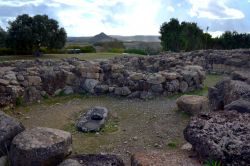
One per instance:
(231, 94)
(133, 77)
(224, 135)
(43, 146)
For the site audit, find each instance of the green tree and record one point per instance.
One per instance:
(190, 37)
(31, 33)
(170, 35)
(2, 37)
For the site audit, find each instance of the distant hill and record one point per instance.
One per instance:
(102, 37)
(140, 38)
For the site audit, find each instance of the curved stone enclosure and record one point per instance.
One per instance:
(129, 76)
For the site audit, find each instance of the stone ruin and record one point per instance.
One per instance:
(132, 77)
(222, 135)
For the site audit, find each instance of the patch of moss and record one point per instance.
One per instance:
(211, 80)
(212, 163)
(19, 101)
(173, 144)
(110, 127)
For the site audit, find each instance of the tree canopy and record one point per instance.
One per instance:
(2, 37)
(187, 36)
(31, 33)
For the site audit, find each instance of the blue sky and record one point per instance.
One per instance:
(132, 17)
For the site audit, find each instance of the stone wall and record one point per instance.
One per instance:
(217, 61)
(128, 76)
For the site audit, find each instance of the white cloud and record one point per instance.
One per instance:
(213, 9)
(170, 9)
(138, 17)
(18, 3)
(216, 33)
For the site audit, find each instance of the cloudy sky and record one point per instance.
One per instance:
(132, 17)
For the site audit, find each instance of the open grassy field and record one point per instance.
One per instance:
(82, 56)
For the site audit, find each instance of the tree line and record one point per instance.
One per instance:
(28, 34)
(187, 36)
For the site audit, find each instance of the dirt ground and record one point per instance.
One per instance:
(133, 126)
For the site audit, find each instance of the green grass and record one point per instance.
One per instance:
(211, 80)
(212, 163)
(83, 56)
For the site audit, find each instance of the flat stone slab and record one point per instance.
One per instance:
(95, 160)
(93, 120)
(193, 104)
(221, 136)
(40, 146)
(160, 158)
(9, 128)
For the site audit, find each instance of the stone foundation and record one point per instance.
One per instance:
(132, 77)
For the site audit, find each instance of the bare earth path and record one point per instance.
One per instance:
(133, 126)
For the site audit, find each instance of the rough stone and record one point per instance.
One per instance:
(122, 91)
(156, 79)
(183, 86)
(34, 80)
(98, 160)
(70, 162)
(193, 104)
(227, 91)
(221, 136)
(93, 120)
(90, 84)
(241, 105)
(9, 128)
(4, 82)
(40, 146)
(68, 90)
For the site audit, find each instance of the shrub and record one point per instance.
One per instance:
(116, 50)
(6, 51)
(88, 49)
(135, 51)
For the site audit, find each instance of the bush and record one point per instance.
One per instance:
(88, 49)
(83, 49)
(6, 51)
(116, 50)
(52, 51)
(135, 51)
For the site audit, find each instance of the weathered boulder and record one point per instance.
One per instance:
(122, 91)
(227, 91)
(67, 90)
(240, 75)
(241, 105)
(40, 146)
(183, 86)
(159, 158)
(93, 120)
(156, 79)
(34, 80)
(90, 84)
(221, 136)
(94, 160)
(9, 128)
(193, 104)
(70, 162)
